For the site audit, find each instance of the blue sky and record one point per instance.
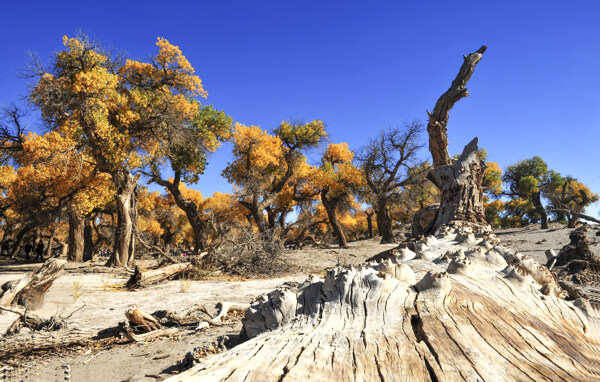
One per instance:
(359, 66)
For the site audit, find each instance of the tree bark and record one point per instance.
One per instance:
(76, 239)
(438, 120)
(124, 249)
(460, 188)
(384, 222)
(330, 207)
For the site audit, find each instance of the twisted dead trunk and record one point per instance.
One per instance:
(460, 182)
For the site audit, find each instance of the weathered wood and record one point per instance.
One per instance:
(474, 311)
(131, 336)
(142, 320)
(141, 279)
(33, 342)
(461, 196)
(29, 291)
(438, 120)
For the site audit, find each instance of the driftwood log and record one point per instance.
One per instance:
(460, 307)
(29, 291)
(141, 279)
(34, 342)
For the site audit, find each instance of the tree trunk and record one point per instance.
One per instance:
(19, 242)
(190, 209)
(539, 207)
(370, 224)
(330, 207)
(88, 240)
(460, 318)
(384, 222)
(257, 216)
(141, 279)
(29, 291)
(124, 250)
(460, 189)
(571, 220)
(76, 239)
(50, 241)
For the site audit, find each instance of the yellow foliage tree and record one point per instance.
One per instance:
(265, 166)
(118, 113)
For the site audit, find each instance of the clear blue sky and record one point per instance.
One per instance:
(360, 66)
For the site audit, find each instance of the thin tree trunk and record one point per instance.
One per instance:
(50, 241)
(19, 242)
(335, 224)
(189, 208)
(124, 248)
(539, 207)
(76, 241)
(88, 240)
(384, 222)
(370, 224)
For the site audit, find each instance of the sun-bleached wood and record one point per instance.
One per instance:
(474, 311)
(29, 291)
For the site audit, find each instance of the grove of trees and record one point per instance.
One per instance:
(110, 122)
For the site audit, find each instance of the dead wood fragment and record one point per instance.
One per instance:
(29, 291)
(131, 336)
(141, 279)
(141, 320)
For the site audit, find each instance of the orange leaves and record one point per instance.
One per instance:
(255, 151)
(337, 174)
(338, 153)
(118, 114)
(492, 178)
(171, 59)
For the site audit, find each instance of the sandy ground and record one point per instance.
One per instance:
(93, 286)
(534, 242)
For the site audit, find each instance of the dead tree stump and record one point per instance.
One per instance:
(29, 291)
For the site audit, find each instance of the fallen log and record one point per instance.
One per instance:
(29, 291)
(462, 308)
(24, 344)
(141, 279)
